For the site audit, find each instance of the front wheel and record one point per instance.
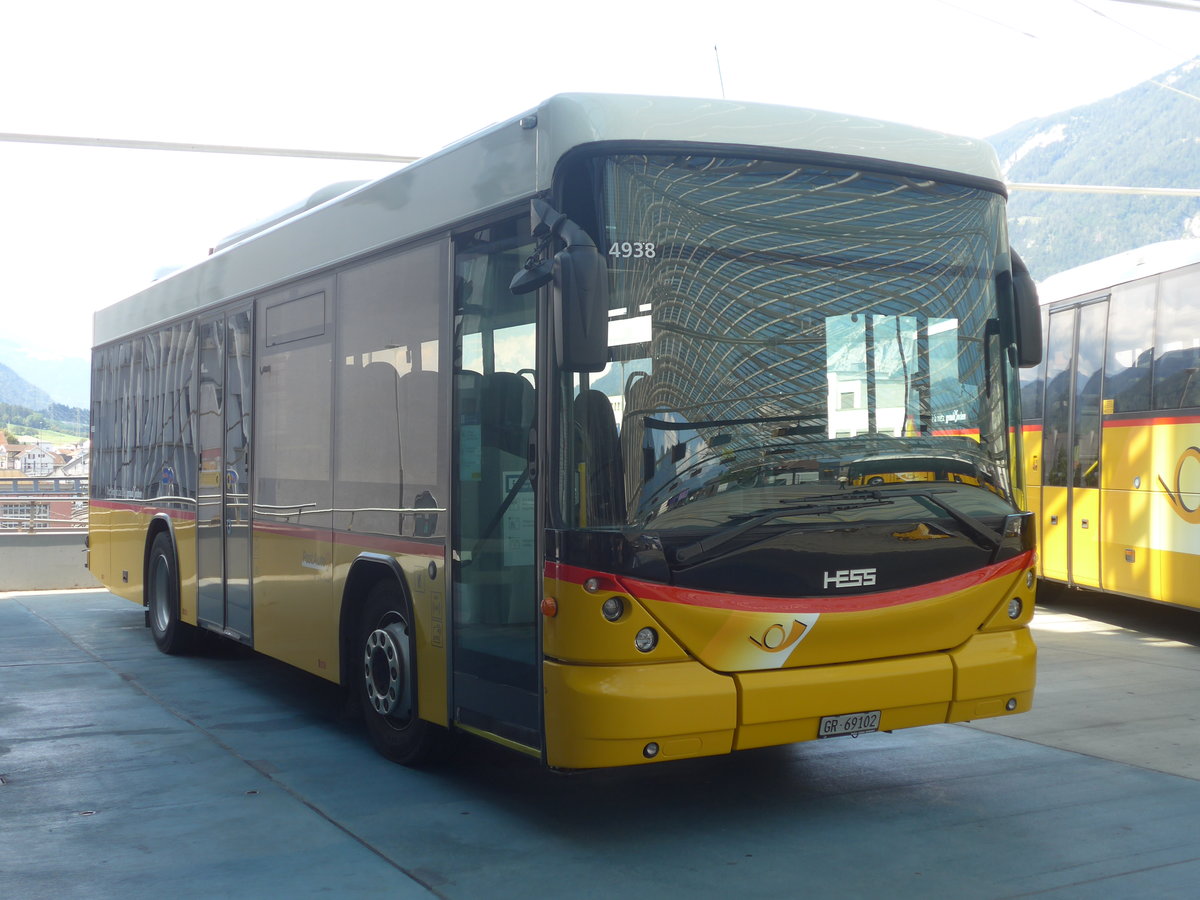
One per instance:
(171, 634)
(385, 669)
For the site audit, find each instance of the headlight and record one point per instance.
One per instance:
(613, 608)
(646, 640)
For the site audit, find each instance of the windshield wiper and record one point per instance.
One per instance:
(979, 532)
(707, 545)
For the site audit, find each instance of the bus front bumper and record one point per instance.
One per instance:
(624, 715)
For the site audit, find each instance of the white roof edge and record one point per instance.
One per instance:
(1120, 268)
(507, 161)
(599, 117)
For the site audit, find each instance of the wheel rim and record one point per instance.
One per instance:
(160, 609)
(385, 671)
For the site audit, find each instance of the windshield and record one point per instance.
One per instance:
(780, 331)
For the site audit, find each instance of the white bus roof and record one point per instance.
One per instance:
(1153, 259)
(512, 160)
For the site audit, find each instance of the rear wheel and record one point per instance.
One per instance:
(385, 669)
(171, 634)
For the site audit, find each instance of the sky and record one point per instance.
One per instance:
(80, 228)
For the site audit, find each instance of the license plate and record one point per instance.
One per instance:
(851, 723)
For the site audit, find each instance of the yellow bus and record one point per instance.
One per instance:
(539, 438)
(1112, 425)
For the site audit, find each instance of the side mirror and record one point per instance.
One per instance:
(532, 277)
(1027, 315)
(579, 299)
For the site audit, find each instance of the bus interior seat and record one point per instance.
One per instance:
(598, 451)
(369, 467)
(497, 586)
(633, 433)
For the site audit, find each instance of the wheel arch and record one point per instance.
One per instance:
(367, 570)
(160, 524)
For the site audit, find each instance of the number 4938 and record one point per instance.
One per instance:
(632, 250)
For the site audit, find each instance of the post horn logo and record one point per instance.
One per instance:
(776, 639)
(1175, 497)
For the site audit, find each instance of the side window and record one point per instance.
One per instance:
(1130, 348)
(388, 434)
(1057, 416)
(1088, 372)
(1177, 341)
(495, 395)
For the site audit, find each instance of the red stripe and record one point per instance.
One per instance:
(749, 603)
(378, 542)
(1154, 420)
(382, 543)
(1031, 428)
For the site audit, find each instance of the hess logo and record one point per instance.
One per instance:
(847, 578)
(777, 638)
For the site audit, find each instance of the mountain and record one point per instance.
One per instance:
(16, 390)
(1147, 136)
(66, 380)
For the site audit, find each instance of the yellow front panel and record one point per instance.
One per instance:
(903, 622)
(606, 715)
(578, 632)
(785, 706)
(1000, 662)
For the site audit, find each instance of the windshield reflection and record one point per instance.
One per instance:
(796, 331)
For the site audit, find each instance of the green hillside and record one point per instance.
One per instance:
(1147, 136)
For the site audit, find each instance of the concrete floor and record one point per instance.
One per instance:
(1117, 680)
(125, 773)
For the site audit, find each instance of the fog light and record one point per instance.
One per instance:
(613, 608)
(1014, 608)
(1011, 704)
(650, 750)
(592, 585)
(646, 640)
(1029, 579)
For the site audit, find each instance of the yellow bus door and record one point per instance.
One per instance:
(1070, 509)
(1086, 428)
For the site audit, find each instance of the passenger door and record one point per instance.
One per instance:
(496, 584)
(1071, 499)
(223, 512)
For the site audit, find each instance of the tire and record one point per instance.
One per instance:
(161, 590)
(384, 676)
